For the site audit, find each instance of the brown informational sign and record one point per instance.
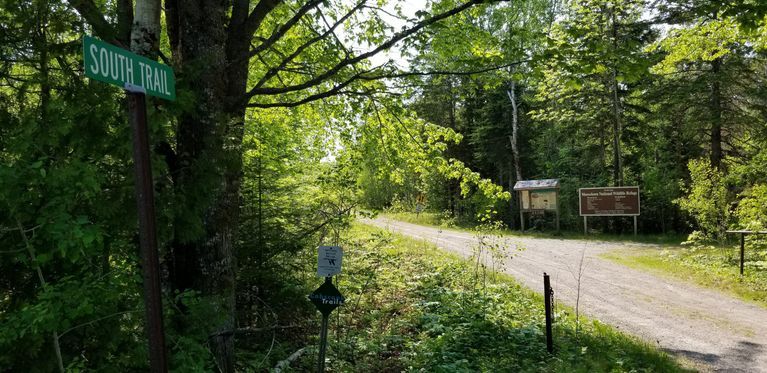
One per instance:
(612, 201)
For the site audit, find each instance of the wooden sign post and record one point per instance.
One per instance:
(139, 76)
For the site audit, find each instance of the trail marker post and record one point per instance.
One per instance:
(327, 297)
(139, 76)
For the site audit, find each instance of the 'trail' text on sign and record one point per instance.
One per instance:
(110, 64)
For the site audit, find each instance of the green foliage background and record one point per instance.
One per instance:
(434, 140)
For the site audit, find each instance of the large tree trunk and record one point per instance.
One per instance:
(209, 164)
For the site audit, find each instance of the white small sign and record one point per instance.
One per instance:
(329, 261)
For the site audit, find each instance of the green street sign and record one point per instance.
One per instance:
(109, 64)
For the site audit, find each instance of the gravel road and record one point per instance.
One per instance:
(713, 331)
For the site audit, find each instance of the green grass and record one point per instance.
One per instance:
(437, 220)
(412, 307)
(710, 267)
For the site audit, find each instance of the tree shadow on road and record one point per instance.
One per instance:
(739, 358)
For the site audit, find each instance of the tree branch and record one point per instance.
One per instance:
(124, 20)
(257, 16)
(441, 72)
(338, 89)
(273, 71)
(283, 364)
(282, 30)
(351, 61)
(253, 330)
(93, 16)
(317, 96)
(97, 320)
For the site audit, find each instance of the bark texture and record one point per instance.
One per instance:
(209, 137)
(514, 130)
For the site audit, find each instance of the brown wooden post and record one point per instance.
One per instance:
(557, 194)
(521, 212)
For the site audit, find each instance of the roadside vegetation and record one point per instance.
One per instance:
(711, 267)
(709, 257)
(412, 307)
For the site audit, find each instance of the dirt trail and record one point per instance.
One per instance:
(715, 331)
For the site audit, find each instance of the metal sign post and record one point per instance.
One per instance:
(139, 76)
(147, 232)
(326, 298)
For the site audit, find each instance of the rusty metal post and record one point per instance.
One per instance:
(547, 304)
(150, 263)
(742, 251)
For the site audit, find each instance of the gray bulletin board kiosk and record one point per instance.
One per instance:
(536, 197)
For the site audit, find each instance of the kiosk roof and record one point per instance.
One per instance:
(537, 184)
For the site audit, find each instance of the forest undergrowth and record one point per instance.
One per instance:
(412, 307)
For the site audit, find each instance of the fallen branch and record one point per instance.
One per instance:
(286, 363)
(253, 330)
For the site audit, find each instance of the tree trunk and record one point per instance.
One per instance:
(617, 161)
(514, 130)
(716, 114)
(145, 33)
(208, 141)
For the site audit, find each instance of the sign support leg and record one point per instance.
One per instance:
(635, 225)
(557, 208)
(742, 251)
(585, 225)
(150, 263)
(323, 344)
